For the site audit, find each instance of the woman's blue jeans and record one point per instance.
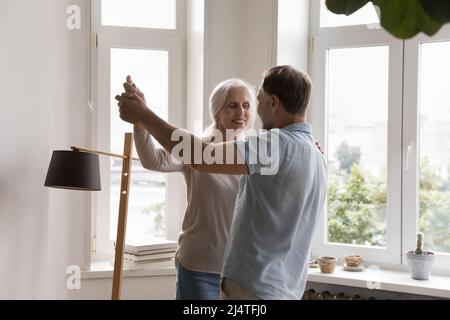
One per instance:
(192, 285)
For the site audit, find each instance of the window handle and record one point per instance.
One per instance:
(408, 154)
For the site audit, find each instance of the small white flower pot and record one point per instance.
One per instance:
(420, 265)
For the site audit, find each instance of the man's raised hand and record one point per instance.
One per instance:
(131, 89)
(132, 108)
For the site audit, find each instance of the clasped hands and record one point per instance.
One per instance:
(132, 105)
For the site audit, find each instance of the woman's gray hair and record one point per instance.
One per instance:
(219, 96)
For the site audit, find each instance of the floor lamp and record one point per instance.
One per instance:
(79, 170)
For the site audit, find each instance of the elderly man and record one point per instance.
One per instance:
(280, 195)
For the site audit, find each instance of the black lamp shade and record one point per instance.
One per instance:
(74, 170)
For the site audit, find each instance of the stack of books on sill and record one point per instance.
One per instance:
(160, 254)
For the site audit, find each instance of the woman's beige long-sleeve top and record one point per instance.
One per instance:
(210, 198)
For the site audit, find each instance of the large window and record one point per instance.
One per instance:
(145, 39)
(147, 203)
(139, 13)
(434, 160)
(426, 189)
(357, 96)
(381, 106)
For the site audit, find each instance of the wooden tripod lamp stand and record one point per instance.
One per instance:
(79, 170)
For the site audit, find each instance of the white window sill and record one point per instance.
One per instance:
(388, 280)
(104, 270)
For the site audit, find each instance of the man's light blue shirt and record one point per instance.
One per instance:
(276, 214)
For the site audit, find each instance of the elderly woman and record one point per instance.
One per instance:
(211, 197)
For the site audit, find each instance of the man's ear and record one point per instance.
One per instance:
(274, 104)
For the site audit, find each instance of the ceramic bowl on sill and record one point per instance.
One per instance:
(327, 264)
(353, 260)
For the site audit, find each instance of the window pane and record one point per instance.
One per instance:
(434, 193)
(146, 209)
(365, 15)
(357, 145)
(139, 13)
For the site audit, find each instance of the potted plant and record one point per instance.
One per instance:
(403, 19)
(420, 262)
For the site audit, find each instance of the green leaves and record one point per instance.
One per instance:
(402, 18)
(346, 7)
(439, 10)
(406, 18)
(355, 213)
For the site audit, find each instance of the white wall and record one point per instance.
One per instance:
(240, 41)
(69, 114)
(195, 64)
(133, 288)
(24, 138)
(243, 38)
(43, 83)
(293, 33)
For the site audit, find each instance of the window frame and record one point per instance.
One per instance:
(104, 38)
(404, 86)
(356, 36)
(411, 133)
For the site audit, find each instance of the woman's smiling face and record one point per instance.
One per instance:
(236, 111)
